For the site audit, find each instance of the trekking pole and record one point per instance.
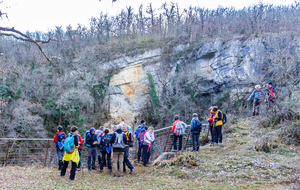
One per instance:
(81, 167)
(151, 153)
(86, 165)
(206, 139)
(159, 151)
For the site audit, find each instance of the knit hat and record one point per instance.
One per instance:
(270, 83)
(60, 128)
(92, 129)
(195, 115)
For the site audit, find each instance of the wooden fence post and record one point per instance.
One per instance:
(187, 140)
(46, 153)
(7, 150)
(167, 139)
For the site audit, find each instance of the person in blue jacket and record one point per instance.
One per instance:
(196, 127)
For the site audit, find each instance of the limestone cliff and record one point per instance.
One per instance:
(235, 65)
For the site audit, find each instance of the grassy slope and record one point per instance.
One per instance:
(236, 165)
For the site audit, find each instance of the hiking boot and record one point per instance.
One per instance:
(100, 170)
(132, 171)
(94, 169)
(193, 150)
(110, 170)
(147, 165)
(114, 175)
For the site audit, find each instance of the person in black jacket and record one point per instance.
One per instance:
(91, 143)
(118, 141)
(71, 157)
(143, 126)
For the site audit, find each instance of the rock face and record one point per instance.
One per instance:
(235, 64)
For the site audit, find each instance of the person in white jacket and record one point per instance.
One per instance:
(148, 139)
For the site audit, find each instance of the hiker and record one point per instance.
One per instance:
(218, 123)
(196, 127)
(106, 150)
(148, 139)
(72, 154)
(211, 124)
(118, 141)
(129, 139)
(115, 128)
(258, 95)
(142, 127)
(80, 141)
(272, 93)
(178, 129)
(99, 134)
(91, 142)
(58, 139)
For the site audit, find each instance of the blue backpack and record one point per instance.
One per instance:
(198, 126)
(60, 140)
(69, 144)
(86, 135)
(137, 132)
(224, 118)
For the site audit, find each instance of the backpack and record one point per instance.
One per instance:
(224, 118)
(131, 143)
(105, 141)
(271, 93)
(142, 135)
(69, 144)
(137, 132)
(198, 126)
(119, 142)
(60, 140)
(180, 128)
(87, 134)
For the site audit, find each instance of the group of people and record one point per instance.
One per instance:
(267, 95)
(112, 150)
(216, 120)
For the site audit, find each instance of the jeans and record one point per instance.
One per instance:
(60, 153)
(99, 153)
(72, 172)
(126, 160)
(256, 108)
(175, 142)
(218, 134)
(146, 154)
(118, 157)
(103, 161)
(196, 141)
(91, 152)
(139, 153)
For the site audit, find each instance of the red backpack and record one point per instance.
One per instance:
(272, 93)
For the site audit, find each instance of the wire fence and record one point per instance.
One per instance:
(38, 151)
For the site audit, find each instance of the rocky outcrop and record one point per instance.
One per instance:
(235, 64)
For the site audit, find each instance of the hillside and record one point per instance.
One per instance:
(241, 163)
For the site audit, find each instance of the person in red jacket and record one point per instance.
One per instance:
(80, 143)
(58, 138)
(176, 136)
(211, 124)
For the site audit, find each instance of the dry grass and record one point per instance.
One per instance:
(235, 165)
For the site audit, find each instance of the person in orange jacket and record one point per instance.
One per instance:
(176, 136)
(211, 124)
(80, 142)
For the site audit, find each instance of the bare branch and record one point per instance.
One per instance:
(26, 38)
